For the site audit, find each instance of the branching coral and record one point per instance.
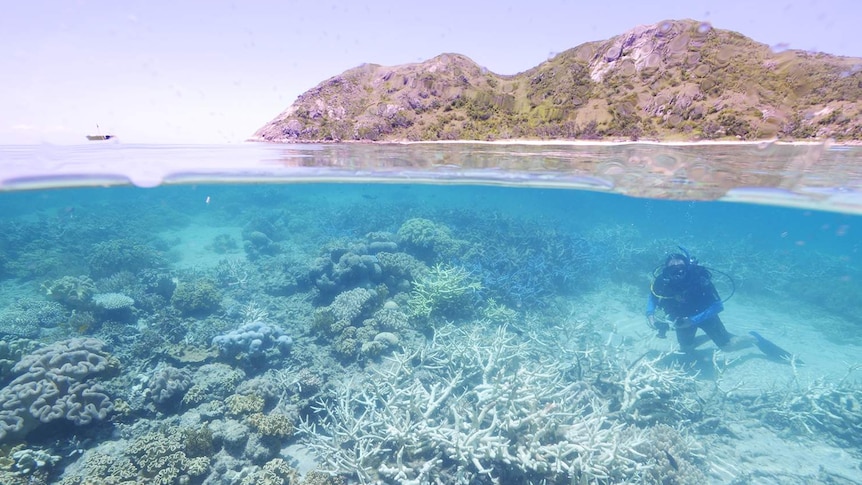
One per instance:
(471, 405)
(442, 290)
(833, 408)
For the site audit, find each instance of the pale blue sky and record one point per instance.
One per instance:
(215, 71)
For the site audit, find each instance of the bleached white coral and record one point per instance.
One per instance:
(113, 301)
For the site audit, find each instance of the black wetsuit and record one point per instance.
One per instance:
(691, 296)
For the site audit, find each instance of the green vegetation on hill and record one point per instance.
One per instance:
(673, 80)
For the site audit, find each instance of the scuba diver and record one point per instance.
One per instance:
(684, 290)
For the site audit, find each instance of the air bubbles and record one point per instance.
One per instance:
(704, 28)
(780, 47)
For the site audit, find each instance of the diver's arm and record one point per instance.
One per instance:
(711, 311)
(652, 303)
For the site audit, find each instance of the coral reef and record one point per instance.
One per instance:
(113, 301)
(158, 457)
(345, 267)
(399, 270)
(252, 340)
(196, 298)
(274, 472)
(28, 461)
(224, 243)
(11, 352)
(117, 255)
(27, 317)
(832, 408)
(168, 385)
(212, 382)
(443, 291)
(476, 406)
(72, 291)
(56, 382)
(243, 404)
(428, 240)
(353, 327)
(257, 244)
(273, 425)
(348, 309)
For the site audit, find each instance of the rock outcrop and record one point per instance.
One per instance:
(671, 80)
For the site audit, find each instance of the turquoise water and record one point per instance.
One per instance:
(223, 330)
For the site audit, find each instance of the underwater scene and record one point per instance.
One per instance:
(335, 332)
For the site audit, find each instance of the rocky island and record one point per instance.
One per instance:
(675, 80)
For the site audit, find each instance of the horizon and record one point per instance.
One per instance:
(195, 77)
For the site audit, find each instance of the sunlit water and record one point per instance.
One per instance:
(424, 314)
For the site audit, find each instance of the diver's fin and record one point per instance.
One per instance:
(770, 349)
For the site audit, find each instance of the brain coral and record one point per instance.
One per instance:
(56, 382)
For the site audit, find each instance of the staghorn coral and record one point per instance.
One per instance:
(443, 290)
(57, 382)
(823, 407)
(476, 406)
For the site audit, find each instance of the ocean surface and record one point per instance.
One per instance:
(426, 313)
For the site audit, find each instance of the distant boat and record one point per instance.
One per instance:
(99, 136)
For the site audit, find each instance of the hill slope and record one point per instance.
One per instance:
(673, 80)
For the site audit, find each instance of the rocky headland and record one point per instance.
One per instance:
(672, 81)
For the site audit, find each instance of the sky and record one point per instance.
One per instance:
(215, 71)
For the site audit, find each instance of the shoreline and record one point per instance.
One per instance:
(533, 142)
